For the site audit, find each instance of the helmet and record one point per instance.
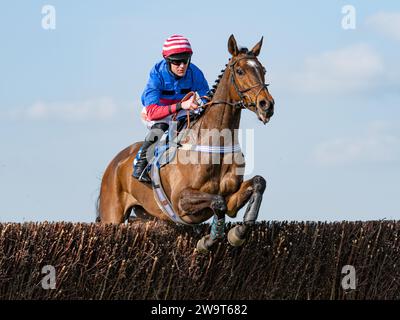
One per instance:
(176, 44)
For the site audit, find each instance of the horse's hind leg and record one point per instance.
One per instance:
(193, 201)
(250, 191)
(111, 208)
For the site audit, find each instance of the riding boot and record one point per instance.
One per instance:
(142, 163)
(153, 136)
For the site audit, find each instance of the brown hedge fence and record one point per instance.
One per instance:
(154, 260)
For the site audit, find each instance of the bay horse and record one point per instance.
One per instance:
(199, 191)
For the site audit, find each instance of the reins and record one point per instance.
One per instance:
(242, 103)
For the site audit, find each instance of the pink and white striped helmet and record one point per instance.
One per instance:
(176, 44)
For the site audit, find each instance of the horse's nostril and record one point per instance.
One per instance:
(263, 103)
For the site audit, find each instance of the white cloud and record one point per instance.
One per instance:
(94, 109)
(374, 146)
(354, 68)
(386, 23)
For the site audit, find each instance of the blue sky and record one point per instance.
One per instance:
(70, 100)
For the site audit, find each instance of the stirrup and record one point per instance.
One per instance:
(144, 176)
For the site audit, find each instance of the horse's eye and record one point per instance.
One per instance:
(264, 70)
(239, 72)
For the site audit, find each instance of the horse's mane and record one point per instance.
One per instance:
(211, 92)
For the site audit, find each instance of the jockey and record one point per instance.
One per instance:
(170, 80)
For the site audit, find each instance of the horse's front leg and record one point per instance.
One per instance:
(250, 191)
(193, 201)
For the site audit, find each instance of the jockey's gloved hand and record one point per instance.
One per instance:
(188, 102)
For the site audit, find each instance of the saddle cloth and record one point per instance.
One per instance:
(167, 145)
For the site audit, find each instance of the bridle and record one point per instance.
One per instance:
(242, 103)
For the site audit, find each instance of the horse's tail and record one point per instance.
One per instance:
(98, 209)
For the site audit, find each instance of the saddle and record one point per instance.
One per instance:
(169, 142)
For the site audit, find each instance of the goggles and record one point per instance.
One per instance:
(178, 62)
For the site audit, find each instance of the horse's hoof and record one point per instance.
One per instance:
(201, 245)
(234, 239)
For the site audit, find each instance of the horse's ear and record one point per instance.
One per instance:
(232, 46)
(257, 48)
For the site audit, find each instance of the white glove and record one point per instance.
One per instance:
(189, 104)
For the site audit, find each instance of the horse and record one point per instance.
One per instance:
(199, 191)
